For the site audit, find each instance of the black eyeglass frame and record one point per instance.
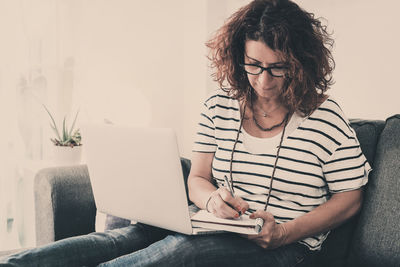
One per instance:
(262, 69)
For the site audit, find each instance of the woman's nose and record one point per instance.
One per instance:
(264, 78)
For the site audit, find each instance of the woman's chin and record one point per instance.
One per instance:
(266, 93)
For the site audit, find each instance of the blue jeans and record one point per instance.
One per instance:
(211, 250)
(143, 245)
(88, 250)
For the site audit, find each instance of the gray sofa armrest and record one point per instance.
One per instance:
(64, 203)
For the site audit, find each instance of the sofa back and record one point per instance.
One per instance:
(334, 252)
(376, 238)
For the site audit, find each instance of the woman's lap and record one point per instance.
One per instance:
(156, 247)
(89, 250)
(210, 250)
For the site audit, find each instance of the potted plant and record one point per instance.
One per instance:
(67, 143)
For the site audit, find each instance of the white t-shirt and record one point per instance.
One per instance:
(257, 145)
(320, 155)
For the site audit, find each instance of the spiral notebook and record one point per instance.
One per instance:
(205, 219)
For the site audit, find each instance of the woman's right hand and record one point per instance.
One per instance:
(223, 205)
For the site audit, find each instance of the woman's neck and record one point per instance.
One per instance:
(269, 106)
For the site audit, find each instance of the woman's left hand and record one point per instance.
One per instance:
(272, 235)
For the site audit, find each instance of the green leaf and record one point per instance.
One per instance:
(55, 131)
(67, 137)
(73, 124)
(65, 134)
(54, 123)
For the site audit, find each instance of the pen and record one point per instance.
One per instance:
(228, 184)
(259, 221)
(230, 188)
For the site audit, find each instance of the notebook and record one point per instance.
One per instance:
(136, 174)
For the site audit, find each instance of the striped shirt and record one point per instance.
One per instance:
(320, 155)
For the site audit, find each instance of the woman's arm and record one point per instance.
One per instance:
(340, 208)
(329, 215)
(199, 180)
(201, 189)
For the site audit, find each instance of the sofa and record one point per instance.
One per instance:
(65, 205)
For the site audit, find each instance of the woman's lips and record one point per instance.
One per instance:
(268, 89)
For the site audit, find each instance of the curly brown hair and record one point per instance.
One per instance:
(301, 40)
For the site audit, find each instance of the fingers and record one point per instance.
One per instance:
(271, 235)
(268, 227)
(244, 206)
(236, 203)
(269, 220)
(223, 205)
(267, 216)
(222, 209)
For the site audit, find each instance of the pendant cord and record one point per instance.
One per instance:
(234, 145)
(285, 121)
(276, 162)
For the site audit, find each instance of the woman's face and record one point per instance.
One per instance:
(264, 84)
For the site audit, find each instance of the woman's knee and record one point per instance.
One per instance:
(186, 250)
(128, 239)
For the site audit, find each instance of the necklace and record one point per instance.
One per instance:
(263, 113)
(273, 126)
(276, 158)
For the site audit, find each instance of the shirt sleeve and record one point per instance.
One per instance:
(347, 169)
(205, 135)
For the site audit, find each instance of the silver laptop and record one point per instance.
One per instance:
(136, 174)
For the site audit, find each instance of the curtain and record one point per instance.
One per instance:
(36, 68)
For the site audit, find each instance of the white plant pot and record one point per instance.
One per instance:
(66, 155)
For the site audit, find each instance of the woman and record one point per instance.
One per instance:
(274, 58)
(284, 145)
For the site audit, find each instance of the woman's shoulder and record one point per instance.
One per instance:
(219, 96)
(331, 106)
(330, 114)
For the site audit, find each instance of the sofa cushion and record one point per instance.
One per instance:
(5, 253)
(335, 249)
(376, 239)
(368, 132)
(113, 222)
(64, 203)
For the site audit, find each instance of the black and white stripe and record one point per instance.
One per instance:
(320, 157)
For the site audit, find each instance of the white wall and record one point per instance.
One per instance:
(130, 55)
(366, 51)
(195, 70)
(367, 54)
(142, 63)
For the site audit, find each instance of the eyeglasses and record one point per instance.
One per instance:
(274, 71)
